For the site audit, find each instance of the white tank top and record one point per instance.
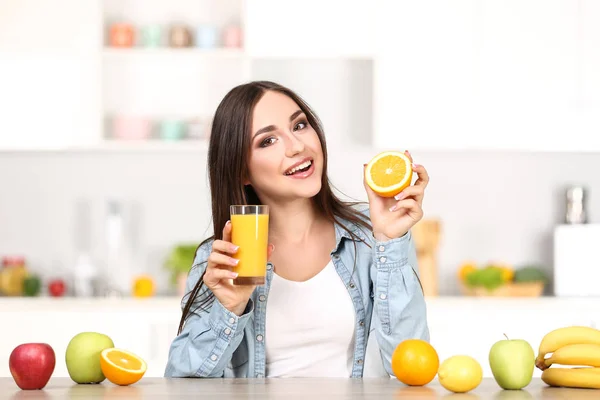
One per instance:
(310, 327)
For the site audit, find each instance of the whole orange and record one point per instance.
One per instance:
(415, 362)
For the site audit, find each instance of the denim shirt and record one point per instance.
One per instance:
(384, 288)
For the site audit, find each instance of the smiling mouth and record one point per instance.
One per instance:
(305, 166)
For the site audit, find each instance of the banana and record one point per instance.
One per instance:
(561, 337)
(588, 378)
(576, 354)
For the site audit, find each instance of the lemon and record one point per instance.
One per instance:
(460, 374)
(143, 286)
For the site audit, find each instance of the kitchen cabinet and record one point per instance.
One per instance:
(310, 29)
(49, 73)
(484, 74)
(458, 325)
(590, 70)
(144, 328)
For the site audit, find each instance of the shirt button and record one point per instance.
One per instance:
(359, 361)
(213, 357)
(262, 297)
(352, 286)
(259, 338)
(381, 248)
(361, 323)
(383, 296)
(227, 331)
(382, 259)
(269, 266)
(231, 320)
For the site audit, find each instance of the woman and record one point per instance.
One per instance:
(340, 279)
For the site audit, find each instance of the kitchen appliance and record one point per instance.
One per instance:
(576, 261)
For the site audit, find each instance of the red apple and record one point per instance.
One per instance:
(56, 287)
(31, 365)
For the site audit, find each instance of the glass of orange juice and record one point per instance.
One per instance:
(250, 231)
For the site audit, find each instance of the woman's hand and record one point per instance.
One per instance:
(219, 274)
(393, 217)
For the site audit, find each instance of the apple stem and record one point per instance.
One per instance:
(506, 336)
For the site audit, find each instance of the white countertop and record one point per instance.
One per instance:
(168, 303)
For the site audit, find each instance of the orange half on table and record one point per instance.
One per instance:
(389, 173)
(122, 367)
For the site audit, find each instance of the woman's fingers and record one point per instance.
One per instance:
(224, 247)
(416, 192)
(218, 259)
(227, 232)
(410, 205)
(423, 179)
(213, 276)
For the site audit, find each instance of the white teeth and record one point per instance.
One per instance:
(299, 167)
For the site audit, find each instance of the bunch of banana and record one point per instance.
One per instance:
(576, 346)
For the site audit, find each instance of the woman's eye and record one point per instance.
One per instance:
(268, 141)
(300, 125)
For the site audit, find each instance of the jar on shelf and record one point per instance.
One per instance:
(122, 35)
(172, 129)
(12, 275)
(131, 128)
(232, 37)
(206, 37)
(151, 36)
(180, 36)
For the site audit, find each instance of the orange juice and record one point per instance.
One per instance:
(250, 231)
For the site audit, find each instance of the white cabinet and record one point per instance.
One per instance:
(590, 70)
(484, 74)
(309, 29)
(425, 70)
(49, 73)
(528, 73)
(145, 330)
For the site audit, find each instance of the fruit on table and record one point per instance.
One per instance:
(122, 367)
(31, 365)
(143, 286)
(512, 362)
(489, 277)
(565, 336)
(389, 173)
(465, 269)
(586, 378)
(530, 274)
(415, 362)
(576, 354)
(460, 374)
(83, 356)
(57, 287)
(32, 285)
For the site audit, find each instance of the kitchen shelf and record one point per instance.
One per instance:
(146, 145)
(119, 53)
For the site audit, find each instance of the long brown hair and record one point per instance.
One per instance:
(228, 153)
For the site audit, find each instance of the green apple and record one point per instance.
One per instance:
(83, 356)
(512, 363)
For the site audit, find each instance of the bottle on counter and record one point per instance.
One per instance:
(576, 207)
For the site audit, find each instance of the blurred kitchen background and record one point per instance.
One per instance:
(107, 104)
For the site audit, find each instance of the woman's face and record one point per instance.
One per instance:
(286, 159)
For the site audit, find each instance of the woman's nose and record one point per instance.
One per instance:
(294, 145)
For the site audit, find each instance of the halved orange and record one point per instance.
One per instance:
(389, 173)
(122, 367)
